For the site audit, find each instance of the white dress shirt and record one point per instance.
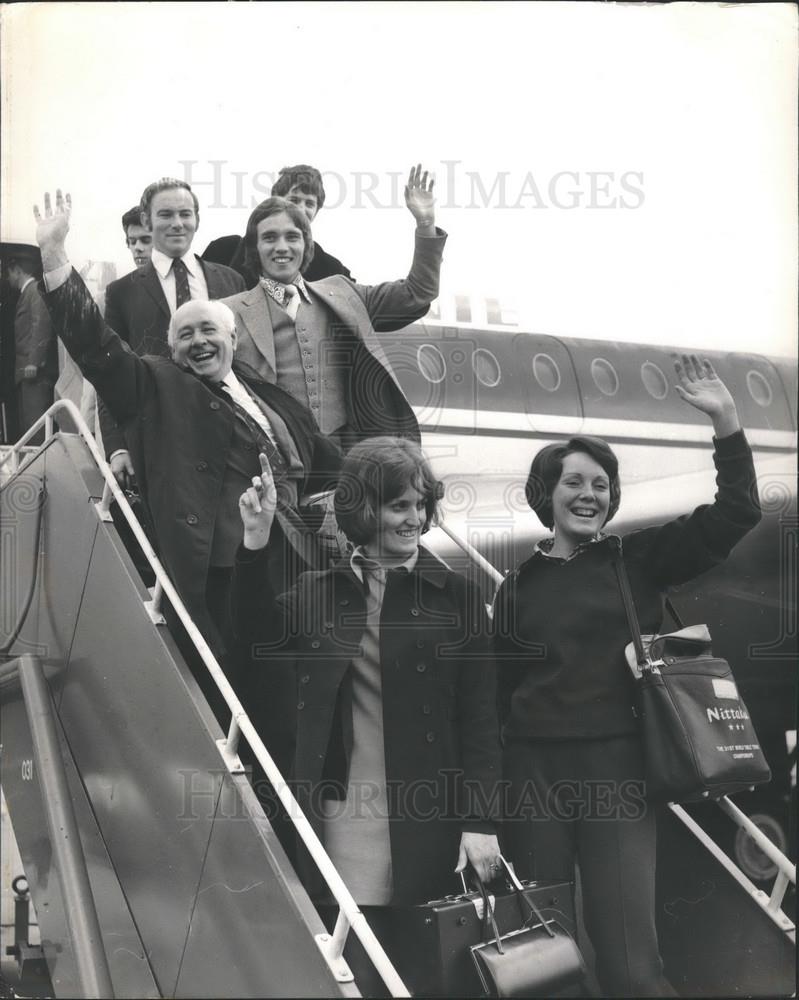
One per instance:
(163, 268)
(239, 394)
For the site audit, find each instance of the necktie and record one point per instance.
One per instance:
(264, 443)
(182, 292)
(292, 300)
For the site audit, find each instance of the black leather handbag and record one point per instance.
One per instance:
(540, 958)
(699, 741)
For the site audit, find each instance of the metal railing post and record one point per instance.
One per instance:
(83, 924)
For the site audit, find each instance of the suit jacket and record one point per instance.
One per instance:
(376, 403)
(137, 310)
(440, 723)
(34, 340)
(178, 433)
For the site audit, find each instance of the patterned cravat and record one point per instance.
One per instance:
(182, 291)
(288, 296)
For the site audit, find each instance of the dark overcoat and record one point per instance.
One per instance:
(439, 703)
(179, 433)
(136, 308)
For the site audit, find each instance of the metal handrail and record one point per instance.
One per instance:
(240, 721)
(769, 905)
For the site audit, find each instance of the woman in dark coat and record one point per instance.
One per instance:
(381, 685)
(572, 754)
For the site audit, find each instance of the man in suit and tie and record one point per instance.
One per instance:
(316, 339)
(35, 345)
(194, 424)
(138, 307)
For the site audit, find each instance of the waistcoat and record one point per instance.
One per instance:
(311, 366)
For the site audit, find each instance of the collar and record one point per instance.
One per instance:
(360, 562)
(544, 547)
(277, 290)
(26, 283)
(426, 565)
(231, 381)
(163, 264)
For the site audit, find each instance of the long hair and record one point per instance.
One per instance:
(273, 206)
(375, 472)
(547, 467)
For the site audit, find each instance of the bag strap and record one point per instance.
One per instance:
(523, 899)
(629, 605)
(673, 612)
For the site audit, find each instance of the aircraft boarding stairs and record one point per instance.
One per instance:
(152, 867)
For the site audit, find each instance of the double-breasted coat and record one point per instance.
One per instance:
(440, 727)
(179, 434)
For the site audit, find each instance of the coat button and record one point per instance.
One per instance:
(430, 737)
(316, 644)
(215, 404)
(421, 667)
(300, 705)
(305, 679)
(426, 710)
(415, 612)
(201, 466)
(192, 519)
(420, 643)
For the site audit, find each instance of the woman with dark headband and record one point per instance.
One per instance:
(572, 753)
(380, 678)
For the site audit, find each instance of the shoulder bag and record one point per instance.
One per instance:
(699, 741)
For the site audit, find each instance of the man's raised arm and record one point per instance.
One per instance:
(409, 298)
(101, 356)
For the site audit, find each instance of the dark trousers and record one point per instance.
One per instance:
(33, 399)
(583, 800)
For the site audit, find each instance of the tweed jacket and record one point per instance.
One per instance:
(376, 402)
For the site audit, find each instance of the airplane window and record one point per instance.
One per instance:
(654, 380)
(431, 362)
(546, 372)
(759, 389)
(486, 367)
(604, 376)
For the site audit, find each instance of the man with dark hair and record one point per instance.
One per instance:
(302, 185)
(138, 307)
(35, 349)
(138, 238)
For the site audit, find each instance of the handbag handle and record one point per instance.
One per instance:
(489, 920)
(518, 889)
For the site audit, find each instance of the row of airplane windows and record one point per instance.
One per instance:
(488, 372)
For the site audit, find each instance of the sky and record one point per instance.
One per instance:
(611, 171)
